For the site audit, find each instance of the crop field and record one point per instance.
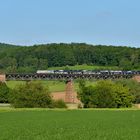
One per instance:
(43, 124)
(54, 86)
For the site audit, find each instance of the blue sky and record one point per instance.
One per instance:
(109, 22)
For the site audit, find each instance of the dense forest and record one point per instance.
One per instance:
(29, 59)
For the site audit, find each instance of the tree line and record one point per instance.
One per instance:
(108, 94)
(29, 59)
(102, 94)
(29, 95)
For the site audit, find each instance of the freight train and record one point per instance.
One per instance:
(90, 72)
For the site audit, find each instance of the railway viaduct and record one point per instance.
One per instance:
(35, 76)
(69, 94)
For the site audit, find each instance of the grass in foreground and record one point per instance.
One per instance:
(70, 125)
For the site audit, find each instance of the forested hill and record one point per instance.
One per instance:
(29, 59)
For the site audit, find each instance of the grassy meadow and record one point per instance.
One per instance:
(54, 86)
(86, 67)
(43, 124)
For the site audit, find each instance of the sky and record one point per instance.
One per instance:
(106, 22)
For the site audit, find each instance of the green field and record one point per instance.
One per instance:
(43, 124)
(54, 86)
(85, 67)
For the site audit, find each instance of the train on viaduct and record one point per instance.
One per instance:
(70, 74)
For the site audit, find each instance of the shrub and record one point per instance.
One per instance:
(134, 88)
(59, 104)
(80, 105)
(31, 95)
(105, 94)
(86, 94)
(4, 93)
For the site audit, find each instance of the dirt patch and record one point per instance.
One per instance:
(137, 78)
(137, 106)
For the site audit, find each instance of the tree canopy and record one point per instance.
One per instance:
(29, 59)
(31, 94)
(4, 93)
(105, 94)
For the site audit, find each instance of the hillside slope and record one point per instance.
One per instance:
(31, 58)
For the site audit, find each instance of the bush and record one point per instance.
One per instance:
(113, 95)
(105, 94)
(134, 88)
(80, 105)
(59, 104)
(85, 95)
(31, 95)
(4, 93)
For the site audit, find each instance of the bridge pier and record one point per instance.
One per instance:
(69, 96)
(2, 78)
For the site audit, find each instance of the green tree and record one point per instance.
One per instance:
(105, 94)
(134, 88)
(4, 93)
(125, 64)
(31, 94)
(15, 58)
(42, 64)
